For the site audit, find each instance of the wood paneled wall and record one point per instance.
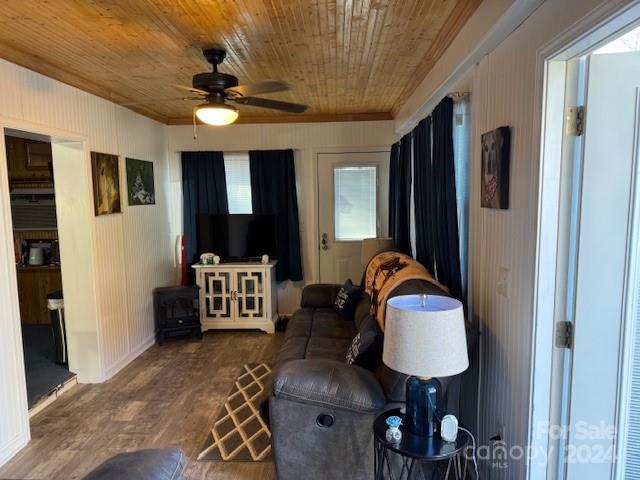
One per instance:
(505, 92)
(132, 251)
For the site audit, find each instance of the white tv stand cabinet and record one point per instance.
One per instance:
(238, 296)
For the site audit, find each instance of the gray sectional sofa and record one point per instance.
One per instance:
(321, 408)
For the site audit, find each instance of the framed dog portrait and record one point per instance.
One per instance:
(140, 185)
(496, 147)
(106, 183)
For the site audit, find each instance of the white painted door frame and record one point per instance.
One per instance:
(596, 29)
(315, 227)
(13, 405)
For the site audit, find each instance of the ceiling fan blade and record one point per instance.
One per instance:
(197, 91)
(258, 88)
(274, 104)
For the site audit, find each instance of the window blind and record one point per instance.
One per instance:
(236, 167)
(632, 441)
(355, 202)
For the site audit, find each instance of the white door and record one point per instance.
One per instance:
(601, 257)
(353, 199)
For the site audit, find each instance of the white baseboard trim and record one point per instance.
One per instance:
(127, 359)
(9, 450)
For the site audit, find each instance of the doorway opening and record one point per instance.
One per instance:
(587, 287)
(38, 266)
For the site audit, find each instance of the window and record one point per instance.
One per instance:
(236, 168)
(355, 202)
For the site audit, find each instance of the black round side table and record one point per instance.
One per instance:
(413, 449)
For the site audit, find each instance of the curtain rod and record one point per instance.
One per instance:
(457, 96)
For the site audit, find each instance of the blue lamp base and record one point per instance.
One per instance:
(423, 398)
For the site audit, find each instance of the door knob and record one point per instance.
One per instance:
(323, 242)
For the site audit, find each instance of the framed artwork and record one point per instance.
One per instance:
(140, 186)
(106, 183)
(496, 147)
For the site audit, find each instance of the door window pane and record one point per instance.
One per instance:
(355, 202)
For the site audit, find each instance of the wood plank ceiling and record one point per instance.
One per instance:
(346, 59)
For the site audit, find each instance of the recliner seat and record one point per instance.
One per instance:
(322, 409)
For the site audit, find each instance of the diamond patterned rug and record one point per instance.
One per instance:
(239, 434)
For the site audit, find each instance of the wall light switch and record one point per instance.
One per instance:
(503, 282)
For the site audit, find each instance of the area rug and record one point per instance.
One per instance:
(239, 434)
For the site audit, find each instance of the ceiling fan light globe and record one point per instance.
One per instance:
(216, 115)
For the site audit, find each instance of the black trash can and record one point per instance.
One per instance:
(55, 303)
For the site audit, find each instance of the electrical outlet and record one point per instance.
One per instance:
(503, 281)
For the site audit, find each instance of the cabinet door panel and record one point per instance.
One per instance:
(218, 287)
(251, 298)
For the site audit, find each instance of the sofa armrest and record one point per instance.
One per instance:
(159, 464)
(329, 383)
(319, 295)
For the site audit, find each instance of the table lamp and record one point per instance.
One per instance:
(424, 337)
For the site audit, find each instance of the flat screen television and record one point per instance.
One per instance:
(237, 237)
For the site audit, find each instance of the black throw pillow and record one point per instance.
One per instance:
(347, 300)
(366, 348)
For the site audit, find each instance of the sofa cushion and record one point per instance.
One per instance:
(153, 464)
(327, 348)
(292, 348)
(319, 322)
(319, 295)
(363, 310)
(329, 384)
(366, 348)
(347, 299)
(328, 324)
(299, 325)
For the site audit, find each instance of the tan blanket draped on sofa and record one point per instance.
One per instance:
(385, 272)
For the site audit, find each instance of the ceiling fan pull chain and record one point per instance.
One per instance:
(195, 132)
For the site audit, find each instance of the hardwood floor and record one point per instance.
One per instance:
(169, 396)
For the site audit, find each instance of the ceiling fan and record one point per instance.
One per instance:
(217, 88)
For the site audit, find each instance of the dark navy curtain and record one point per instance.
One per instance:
(400, 194)
(447, 248)
(393, 166)
(204, 190)
(424, 195)
(273, 191)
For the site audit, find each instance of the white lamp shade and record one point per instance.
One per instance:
(218, 115)
(425, 341)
